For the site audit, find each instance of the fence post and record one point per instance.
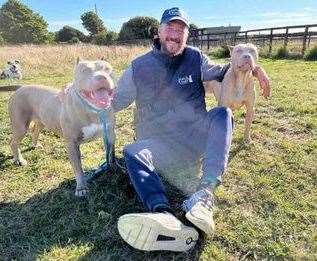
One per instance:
(271, 41)
(235, 38)
(305, 39)
(286, 38)
(246, 37)
(208, 42)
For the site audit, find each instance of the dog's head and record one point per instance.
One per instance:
(244, 57)
(14, 66)
(94, 82)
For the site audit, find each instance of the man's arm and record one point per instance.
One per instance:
(211, 71)
(264, 81)
(125, 93)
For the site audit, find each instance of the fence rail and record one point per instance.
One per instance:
(304, 33)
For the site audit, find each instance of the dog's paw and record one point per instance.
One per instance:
(81, 191)
(21, 162)
(37, 146)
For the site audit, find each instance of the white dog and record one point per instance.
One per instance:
(13, 71)
(237, 88)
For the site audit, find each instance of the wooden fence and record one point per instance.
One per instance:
(305, 34)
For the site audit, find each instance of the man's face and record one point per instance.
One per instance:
(173, 37)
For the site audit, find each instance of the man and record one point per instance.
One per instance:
(174, 130)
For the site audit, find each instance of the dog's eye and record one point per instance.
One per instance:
(239, 50)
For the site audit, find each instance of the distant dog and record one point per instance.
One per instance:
(237, 87)
(13, 71)
(73, 115)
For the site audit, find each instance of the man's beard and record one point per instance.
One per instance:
(172, 47)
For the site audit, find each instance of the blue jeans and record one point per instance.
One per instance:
(146, 159)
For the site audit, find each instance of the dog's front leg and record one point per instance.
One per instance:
(75, 159)
(248, 121)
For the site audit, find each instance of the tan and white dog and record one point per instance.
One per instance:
(72, 114)
(237, 88)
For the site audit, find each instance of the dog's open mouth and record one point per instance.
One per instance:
(246, 66)
(100, 98)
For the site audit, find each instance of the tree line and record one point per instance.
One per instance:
(20, 24)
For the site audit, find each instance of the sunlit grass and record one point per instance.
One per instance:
(266, 207)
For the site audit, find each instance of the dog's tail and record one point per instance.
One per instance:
(9, 88)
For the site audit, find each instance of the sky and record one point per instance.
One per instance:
(205, 13)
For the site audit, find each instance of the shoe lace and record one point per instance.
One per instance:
(207, 201)
(203, 196)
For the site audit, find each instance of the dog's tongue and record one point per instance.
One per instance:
(102, 98)
(99, 98)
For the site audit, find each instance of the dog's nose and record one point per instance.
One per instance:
(247, 56)
(102, 80)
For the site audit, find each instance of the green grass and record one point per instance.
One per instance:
(311, 54)
(266, 206)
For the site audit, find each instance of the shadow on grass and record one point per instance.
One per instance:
(50, 222)
(240, 145)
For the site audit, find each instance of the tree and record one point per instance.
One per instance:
(19, 24)
(67, 33)
(192, 30)
(105, 38)
(139, 27)
(92, 23)
(2, 42)
(192, 27)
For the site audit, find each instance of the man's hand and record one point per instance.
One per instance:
(264, 81)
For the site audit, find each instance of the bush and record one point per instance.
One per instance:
(311, 54)
(67, 33)
(221, 52)
(104, 38)
(74, 40)
(139, 27)
(2, 41)
(282, 52)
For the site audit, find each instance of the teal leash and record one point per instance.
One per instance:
(108, 140)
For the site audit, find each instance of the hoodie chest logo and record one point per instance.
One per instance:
(185, 80)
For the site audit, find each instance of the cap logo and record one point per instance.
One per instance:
(173, 12)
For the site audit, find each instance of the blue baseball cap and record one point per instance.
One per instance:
(174, 14)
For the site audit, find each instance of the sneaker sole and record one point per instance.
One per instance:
(142, 232)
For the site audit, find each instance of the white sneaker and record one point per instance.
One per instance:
(199, 210)
(156, 231)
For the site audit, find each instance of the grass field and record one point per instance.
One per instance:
(266, 206)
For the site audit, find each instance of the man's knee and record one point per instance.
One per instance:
(133, 149)
(224, 112)
(139, 152)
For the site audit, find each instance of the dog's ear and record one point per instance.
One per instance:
(77, 60)
(230, 47)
